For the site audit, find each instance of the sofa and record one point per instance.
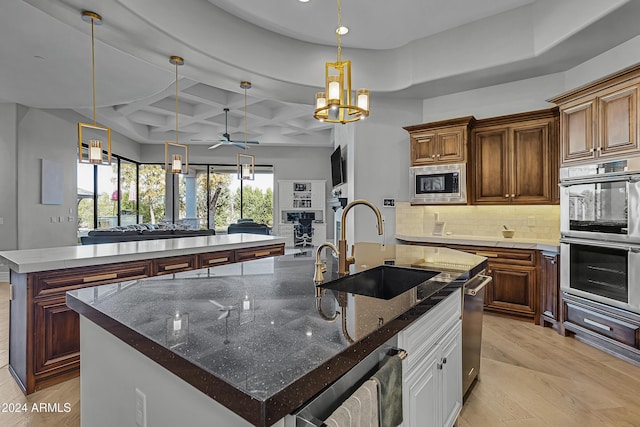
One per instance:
(140, 232)
(247, 225)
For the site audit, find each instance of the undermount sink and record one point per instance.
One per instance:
(384, 282)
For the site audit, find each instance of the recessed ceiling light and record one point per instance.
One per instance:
(342, 30)
(303, 1)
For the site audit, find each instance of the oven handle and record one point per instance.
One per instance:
(612, 245)
(474, 291)
(599, 179)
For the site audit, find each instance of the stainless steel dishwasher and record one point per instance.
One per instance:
(473, 305)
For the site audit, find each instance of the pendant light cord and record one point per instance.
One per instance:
(245, 119)
(338, 38)
(176, 102)
(93, 72)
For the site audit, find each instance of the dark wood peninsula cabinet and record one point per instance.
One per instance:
(515, 159)
(44, 334)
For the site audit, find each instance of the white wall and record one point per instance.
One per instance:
(9, 177)
(380, 166)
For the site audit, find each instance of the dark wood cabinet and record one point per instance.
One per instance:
(549, 290)
(515, 159)
(601, 119)
(513, 289)
(440, 142)
(261, 252)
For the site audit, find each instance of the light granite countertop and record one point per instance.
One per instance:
(547, 245)
(32, 260)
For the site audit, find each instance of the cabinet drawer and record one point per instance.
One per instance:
(615, 329)
(420, 337)
(260, 252)
(212, 259)
(501, 255)
(174, 264)
(61, 281)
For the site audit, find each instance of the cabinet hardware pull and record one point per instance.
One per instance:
(176, 266)
(217, 260)
(597, 324)
(591, 150)
(444, 360)
(506, 195)
(433, 156)
(438, 155)
(487, 254)
(263, 253)
(513, 195)
(599, 148)
(439, 365)
(100, 277)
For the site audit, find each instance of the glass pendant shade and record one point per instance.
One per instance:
(176, 158)
(321, 103)
(246, 167)
(95, 151)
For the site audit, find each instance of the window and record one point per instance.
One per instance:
(210, 196)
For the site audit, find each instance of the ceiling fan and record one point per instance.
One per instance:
(226, 138)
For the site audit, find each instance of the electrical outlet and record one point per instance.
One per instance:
(141, 408)
(531, 221)
(70, 219)
(53, 219)
(59, 219)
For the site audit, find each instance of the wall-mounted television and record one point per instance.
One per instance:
(337, 167)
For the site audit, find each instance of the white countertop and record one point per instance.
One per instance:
(31, 260)
(549, 245)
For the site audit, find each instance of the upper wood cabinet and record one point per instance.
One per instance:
(514, 159)
(440, 142)
(600, 119)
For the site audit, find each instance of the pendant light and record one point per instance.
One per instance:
(176, 155)
(335, 104)
(246, 162)
(95, 135)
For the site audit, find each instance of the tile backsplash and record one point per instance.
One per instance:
(532, 221)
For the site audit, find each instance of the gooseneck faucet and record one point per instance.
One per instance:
(343, 260)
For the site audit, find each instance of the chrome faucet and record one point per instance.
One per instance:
(321, 266)
(343, 260)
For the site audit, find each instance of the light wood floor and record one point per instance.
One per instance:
(530, 377)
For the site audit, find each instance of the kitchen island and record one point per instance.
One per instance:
(44, 336)
(244, 341)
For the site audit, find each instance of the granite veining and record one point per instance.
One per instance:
(249, 334)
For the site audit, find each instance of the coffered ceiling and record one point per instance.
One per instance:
(402, 49)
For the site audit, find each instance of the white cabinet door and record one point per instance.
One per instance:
(318, 199)
(420, 393)
(451, 363)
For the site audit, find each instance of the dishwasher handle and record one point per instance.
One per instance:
(485, 281)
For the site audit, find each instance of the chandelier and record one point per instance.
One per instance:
(335, 104)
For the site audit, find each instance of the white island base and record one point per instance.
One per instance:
(111, 372)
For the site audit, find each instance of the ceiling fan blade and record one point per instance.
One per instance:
(216, 145)
(223, 315)
(237, 141)
(215, 303)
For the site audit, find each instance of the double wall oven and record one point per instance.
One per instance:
(600, 228)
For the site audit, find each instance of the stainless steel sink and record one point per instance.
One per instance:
(384, 282)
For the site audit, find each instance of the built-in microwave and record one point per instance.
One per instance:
(439, 184)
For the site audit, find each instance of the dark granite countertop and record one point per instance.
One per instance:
(249, 334)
